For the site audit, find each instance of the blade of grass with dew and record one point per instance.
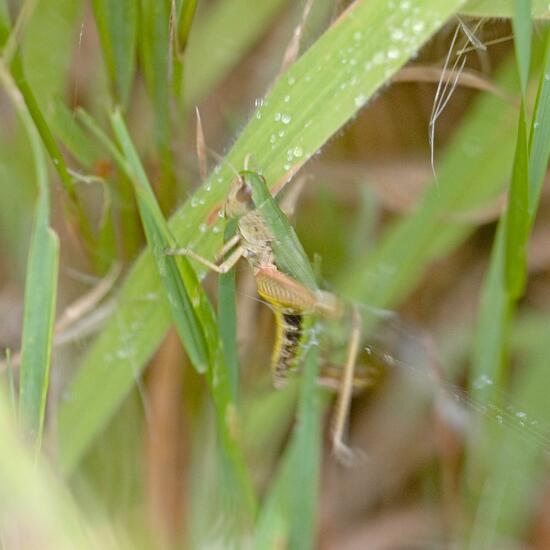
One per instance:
(503, 8)
(226, 31)
(320, 93)
(40, 287)
(192, 316)
(289, 511)
(117, 22)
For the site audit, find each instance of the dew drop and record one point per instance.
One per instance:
(482, 382)
(360, 100)
(397, 34)
(378, 58)
(203, 227)
(393, 53)
(285, 119)
(277, 117)
(418, 27)
(298, 152)
(287, 98)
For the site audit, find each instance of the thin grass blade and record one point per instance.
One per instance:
(156, 57)
(289, 511)
(504, 8)
(521, 24)
(117, 22)
(227, 317)
(38, 323)
(40, 287)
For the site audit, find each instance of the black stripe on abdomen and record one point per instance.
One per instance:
(287, 345)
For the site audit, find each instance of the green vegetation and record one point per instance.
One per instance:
(119, 432)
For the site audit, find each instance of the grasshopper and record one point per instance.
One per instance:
(285, 280)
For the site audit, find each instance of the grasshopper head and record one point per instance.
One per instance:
(239, 200)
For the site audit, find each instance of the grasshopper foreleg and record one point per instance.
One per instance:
(223, 267)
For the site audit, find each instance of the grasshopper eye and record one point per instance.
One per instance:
(244, 194)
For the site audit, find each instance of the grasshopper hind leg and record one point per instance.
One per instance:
(341, 450)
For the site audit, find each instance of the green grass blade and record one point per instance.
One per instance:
(157, 70)
(506, 277)
(72, 136)
(503, 8)
(517, 218)
(75, 212)
(289, 511)
(227, 317)
(117, 22)
(185, 15)
(307, 452)
(36, 505)
(516, 476)
(40, 288)
(521, 23)
(323, 93)
(539, 140)
(38, 322)
(186, 319)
